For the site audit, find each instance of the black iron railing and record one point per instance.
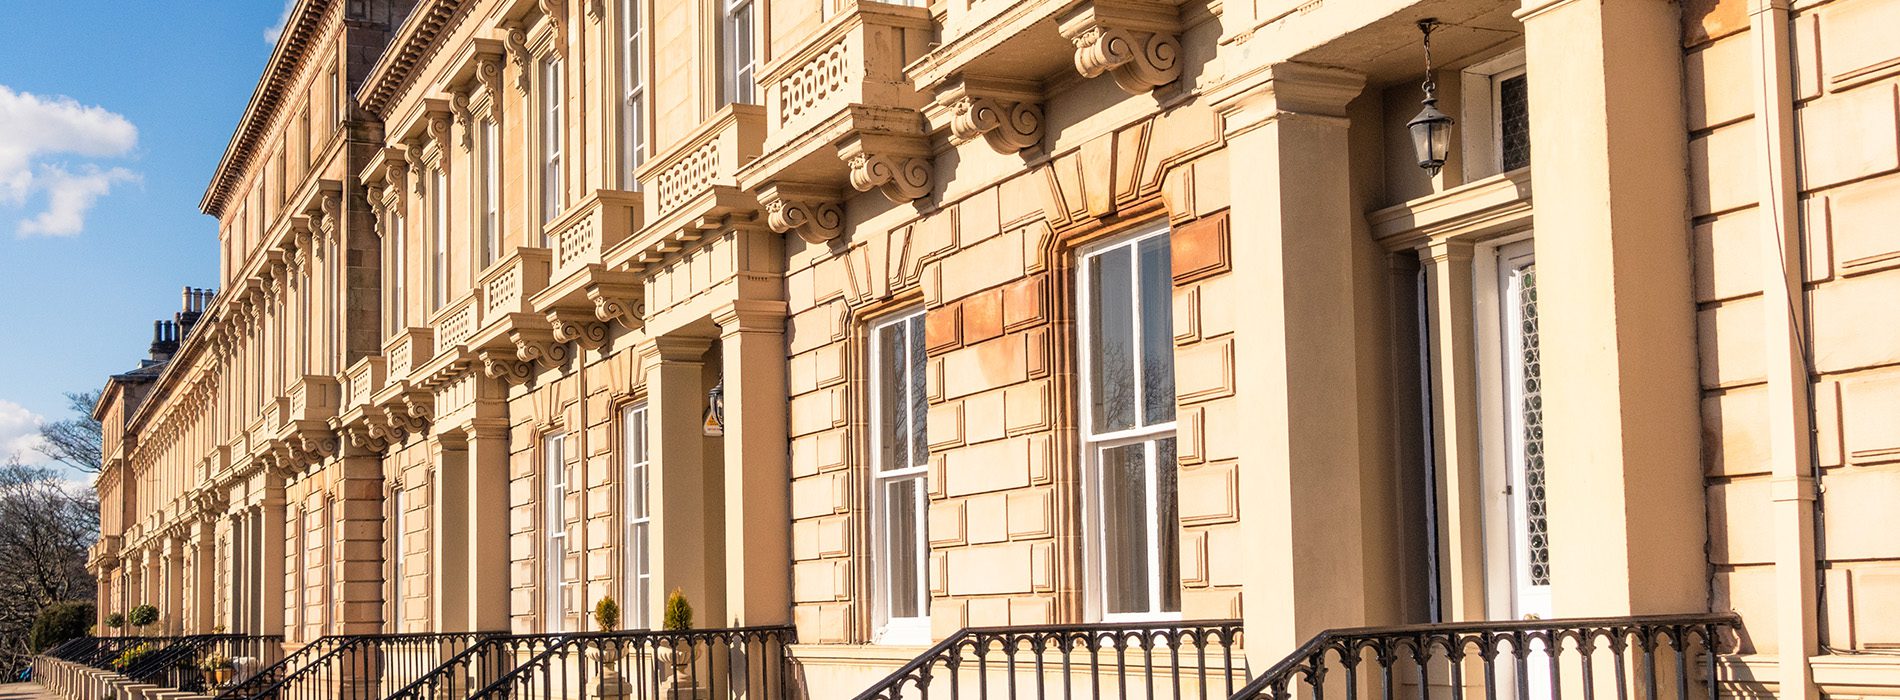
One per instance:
(743, 662)
(481, 664)
(181, 665)
(1648, 656)
(248, 682)
(1177, 659)
(367, 667)
(105, 652)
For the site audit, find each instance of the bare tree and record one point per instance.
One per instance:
(76, 442)
(48, 524)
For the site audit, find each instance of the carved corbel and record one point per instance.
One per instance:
(319, 444)
(596, 9)
(898, 166)
(556, 10)
(579, 327)
(458, 106)
(359, 435)
(501, 364)
(616, 302)
(1136, 42)
(438, 128)
(416, 411)
(539, 345)
(331, 207)
(488, 71)
(517, 43)
(811, 211)
(1004, 112)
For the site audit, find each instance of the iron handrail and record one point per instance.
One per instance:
(662, 659)
(1458, 642)
(441, 677)
(352, 654)
(1065, 641)
(269, 676)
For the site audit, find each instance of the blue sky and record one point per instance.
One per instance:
(113, 114)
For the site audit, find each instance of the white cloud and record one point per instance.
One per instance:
(19, 433)
(38, 128)
(276, 30)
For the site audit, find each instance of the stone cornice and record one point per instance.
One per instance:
(293, 49)
(416, 40)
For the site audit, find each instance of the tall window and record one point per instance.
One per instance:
(397, 272)
(1513, 118)
(336, 99)
(439, 262)
(637, 562)
(398, 529)
(552, 130)
(633, 90)
(554, 506)
(900, 459)
(1128, 428)
(491, 191)
(736, 39)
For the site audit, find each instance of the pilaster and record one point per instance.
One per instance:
(450, 513)
(1454, 406)
(682, 485)
(757, 462)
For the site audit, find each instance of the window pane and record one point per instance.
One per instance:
(1514, 122)
(642, 569)
(1125, 524)
(1157, 330)
(1168, 525)
(1112, 344)
(919, 403)
(893, 405)
(900, 545)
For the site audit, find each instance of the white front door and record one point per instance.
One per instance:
(1517, 545)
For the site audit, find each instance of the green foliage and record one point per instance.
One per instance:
(142, 615)
(115, 620)
(607, 614)
(678, 614)
(132, 655)
(60, 622)
(215, 662)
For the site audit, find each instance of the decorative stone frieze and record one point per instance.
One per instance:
(1136, 42)
(1006, 113)
(811, 211)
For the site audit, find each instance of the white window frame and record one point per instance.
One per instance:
(553, 132)
(398, 557)
(555, 608)
(897, 630)
(633, 88)
(1481, 112)
(737, 74)
(398, 273)
(1095, 529)
(636, 561)
(439, 257)
(490, 136)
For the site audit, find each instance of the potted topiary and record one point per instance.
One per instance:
(218, 669)
(141, 616)
(608, 651)
(675, 652)
(117, 622)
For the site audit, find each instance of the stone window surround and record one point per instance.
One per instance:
(1479, 111)
(635, 611)
(623, 26)
(553, 591)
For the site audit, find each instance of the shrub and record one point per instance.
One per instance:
(60, 622)
(678, 614)
(607, 614)
(132, 655)
(141, 616)
(115, 620)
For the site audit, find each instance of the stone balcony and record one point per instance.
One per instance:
(842, 114)
(512, 334)
(585, 293)
(698, 179)
(455, 325)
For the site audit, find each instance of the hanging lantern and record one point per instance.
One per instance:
(1431, 129)
(715, 425)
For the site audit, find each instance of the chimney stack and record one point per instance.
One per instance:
(195, 302)
(164, 340)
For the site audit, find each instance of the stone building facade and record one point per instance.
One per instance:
(888, 319)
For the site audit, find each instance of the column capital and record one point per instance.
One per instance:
(1439, 252)
(751, 316)
(1256, 98)
(675, 349)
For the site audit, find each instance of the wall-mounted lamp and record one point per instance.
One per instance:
(716, 410)
(1431, 129)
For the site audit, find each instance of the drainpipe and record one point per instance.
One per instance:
(1795, 477)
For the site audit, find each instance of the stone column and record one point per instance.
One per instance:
(204, 552)
(683, 488)
(486, 462)
(1297, 379)
(356, 551)
(172, 560)
(449, 532)
(758, 463)
(271, 544)
(1620, 395)
(1454, 407)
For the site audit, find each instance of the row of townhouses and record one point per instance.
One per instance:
(1131, 327)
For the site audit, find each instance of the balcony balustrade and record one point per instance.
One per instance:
(407, 350)
(698, 178)
(456, 324)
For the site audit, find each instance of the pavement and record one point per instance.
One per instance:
(23, 691)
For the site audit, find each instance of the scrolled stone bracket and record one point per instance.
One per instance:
(1136, 42)
(812, 211)
(501, 364)
(1006, 113)
(578, 326)
(617, 303)
(896, 165)
(539, 345)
